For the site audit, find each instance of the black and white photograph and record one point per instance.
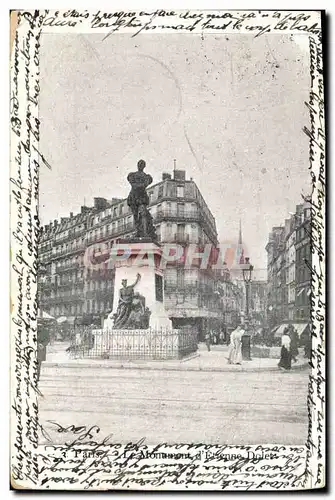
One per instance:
(176, 160)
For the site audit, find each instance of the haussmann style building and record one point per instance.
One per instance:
(76, 283)
(289, 272)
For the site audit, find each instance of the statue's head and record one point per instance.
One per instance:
(141, 165)
(124, 282)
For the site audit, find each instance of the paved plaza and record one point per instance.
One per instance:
(233, 407)
(215, 360)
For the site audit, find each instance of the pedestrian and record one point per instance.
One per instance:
(308, 348)
(43, 339)
(208, 340)
(41, 356)
(235, 348)
(294, 343)
(222, 336)
(285, 354)
(306, 341)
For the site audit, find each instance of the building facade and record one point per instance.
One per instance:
(289, 274)
(303, 263)
(258, 302)
(77, 281)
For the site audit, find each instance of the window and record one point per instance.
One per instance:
(180, 191)
(160, 191)
(115, 212)
(181, 209)
(121, 209)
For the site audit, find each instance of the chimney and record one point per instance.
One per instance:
(166, 176)
(179, 175)
(100, 203)
(71, 215)
(55, 222)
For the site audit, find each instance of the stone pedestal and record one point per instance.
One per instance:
(145, 259)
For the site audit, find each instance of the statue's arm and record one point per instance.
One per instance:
(138, 277)
(149, 179)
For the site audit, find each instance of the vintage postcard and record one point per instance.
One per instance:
(167, 250)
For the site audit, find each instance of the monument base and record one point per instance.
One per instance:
(141, 271)
(148, 344)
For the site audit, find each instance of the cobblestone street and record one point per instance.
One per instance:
(176, 406)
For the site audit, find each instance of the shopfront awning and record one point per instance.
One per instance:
(185, 312)
(61, 320)
(44, 315)
(280, 330)
(300, 328)
(258, 330)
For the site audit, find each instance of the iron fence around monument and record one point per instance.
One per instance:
(151, 344)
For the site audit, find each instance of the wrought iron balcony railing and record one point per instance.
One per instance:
(182, 215)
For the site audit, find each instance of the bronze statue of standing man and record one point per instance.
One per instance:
(138, 201)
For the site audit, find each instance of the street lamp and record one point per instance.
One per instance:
(247, 276)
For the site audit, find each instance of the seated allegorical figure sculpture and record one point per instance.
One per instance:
(131, 312)
(124, 307)
(138, 202)
(140, 315)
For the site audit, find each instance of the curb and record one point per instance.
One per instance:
(175, 368)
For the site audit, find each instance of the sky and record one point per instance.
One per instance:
(229, 108)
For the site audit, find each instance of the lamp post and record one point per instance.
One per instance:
(247, 276)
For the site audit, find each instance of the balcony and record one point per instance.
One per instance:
(59, 253)
(183, 215)
(99, 294)
(70, 283)
(182, 239)
(62, 300)
(101, 274)
(46, 285)
(191, 288)
(114, 232)
(45, 248)
(69, 267)
(71, 236)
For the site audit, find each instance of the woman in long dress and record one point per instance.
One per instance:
(285, 355)
(294, 343)
(235, 348)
